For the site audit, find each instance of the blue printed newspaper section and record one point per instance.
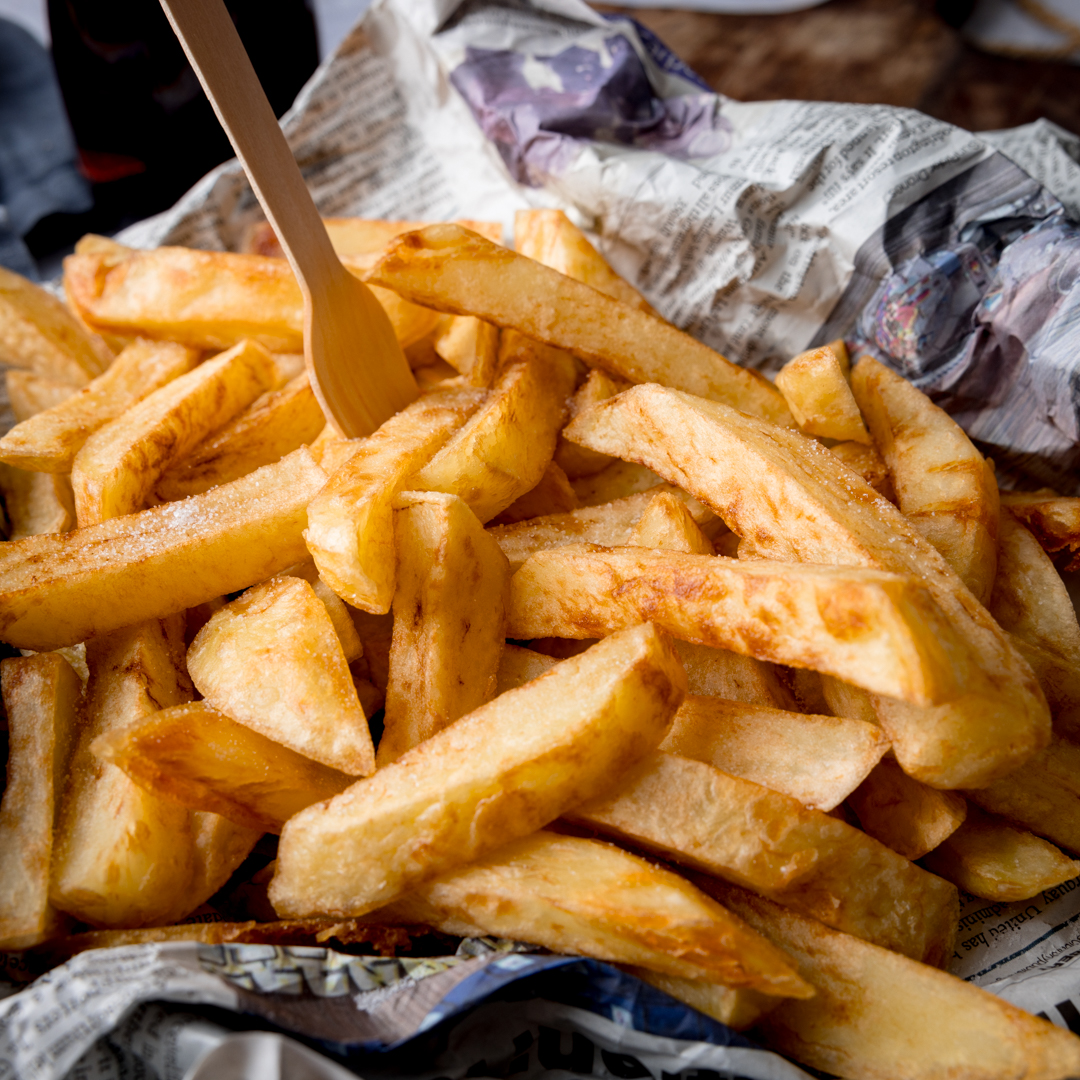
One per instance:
(508, 1014)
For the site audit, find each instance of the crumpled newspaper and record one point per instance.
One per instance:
(493, 1011)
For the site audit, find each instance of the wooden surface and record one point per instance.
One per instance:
(895, 52)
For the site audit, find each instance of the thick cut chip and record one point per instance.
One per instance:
(783, 494)
(844, 699)
(39, 333)
(115, 471)
(450, 269)
(575, 895)
(943, 486)
(207, 299)
(551, 238)
(880, 1016)
(869, 464)
(471, 347)
(668, 524)
(499, 773)
(36, 503)
(816, 389)
(818, 760)
(1054, 521)
(876, 629)
(60, 590)
(609, 524)
(28, 394)
(198, 757)
(221, 846)
(1031, 602)
(350, 530)
(503, 449)
(738, 1009)
(42, 698)
(991, 859)
(517, 666)
(1029, 598)
(272, 660)
(706, 819)
(340, 614)
(751, 740)
(617, 481)
(275, 424)
(49, 441)
(720, 673)
(359, 236)
(124, 857)
(449, 620)
(577, 461)
(903, 814)
(1042, 795)
(553, 494)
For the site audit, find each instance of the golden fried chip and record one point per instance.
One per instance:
(784, 494)
(991, 859)
(39, 333)
(198, 757)
(42, 699)
(819, 760)
(1042, 795)
(122, 856)
(36, 503)
(450, 269)
(449, 620)
(28, 394)
(879, 1016)
(350, 530)
(503, 449)
(942, 484)
(60, 590)
(815, 386)
(706, 819)
(668, 524)
(876, 629)
(497, 774)
(208, 299)
(117, 467)
(577, 461)
(551, 238)
(273, 425)
(609, 524)
(470, 346)
(552, 494)
(903, 814)
(49, 441)
(1054, 521)
(272, 660)
(575, 895)
(1031, 602)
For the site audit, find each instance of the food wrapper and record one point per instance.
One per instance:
(761, 228)
(172, 1012)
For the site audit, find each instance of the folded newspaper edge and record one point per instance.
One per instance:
(762, 228)
(499, 1013)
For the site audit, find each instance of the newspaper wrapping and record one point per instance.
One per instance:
(761, 228)
(488, 1011)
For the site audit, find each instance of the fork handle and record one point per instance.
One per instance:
(217, 54)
